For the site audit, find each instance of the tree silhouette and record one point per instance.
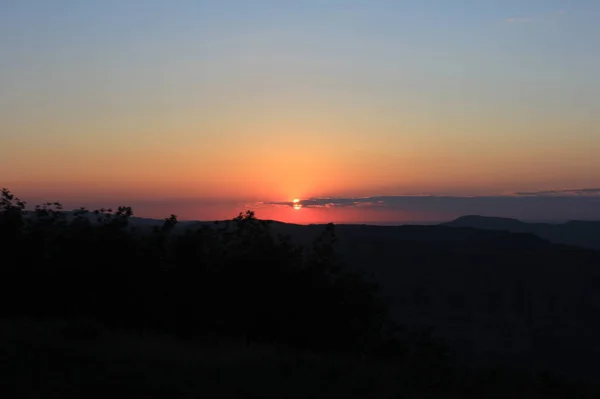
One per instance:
(232, 279)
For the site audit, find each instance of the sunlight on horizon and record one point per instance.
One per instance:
(223, 105)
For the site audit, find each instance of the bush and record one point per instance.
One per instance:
(235, 279)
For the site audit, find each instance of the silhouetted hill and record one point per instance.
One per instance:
(136, 222)
(578, 233)
(486, 222)
(495, 295)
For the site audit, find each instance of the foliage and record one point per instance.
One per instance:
(230, 279)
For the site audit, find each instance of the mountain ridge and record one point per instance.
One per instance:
(577, 233)
(580, 233)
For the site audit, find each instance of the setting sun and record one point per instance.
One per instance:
(297, 204)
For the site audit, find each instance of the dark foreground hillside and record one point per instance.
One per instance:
(43, 359)
(428, 309)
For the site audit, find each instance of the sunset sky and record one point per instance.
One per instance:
(205, 108)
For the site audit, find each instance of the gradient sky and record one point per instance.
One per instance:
(220, 104)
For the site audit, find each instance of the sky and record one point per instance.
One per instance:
(206, 108)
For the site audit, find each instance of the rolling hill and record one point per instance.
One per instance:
(497, 290)
(577, 233)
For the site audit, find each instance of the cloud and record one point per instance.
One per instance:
(548, 17)
(535, 205)
(331, 202)
(518, 20)
(570, 192)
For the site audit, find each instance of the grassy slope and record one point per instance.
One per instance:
(39, 362)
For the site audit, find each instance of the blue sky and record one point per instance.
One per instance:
(274, 100)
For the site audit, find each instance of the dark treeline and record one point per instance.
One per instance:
(234, 279)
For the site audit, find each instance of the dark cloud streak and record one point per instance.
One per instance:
(543, 205)
(331, 202)
(580, 191)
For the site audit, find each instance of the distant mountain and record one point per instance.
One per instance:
(585, 234)
(138, 223)
(576, 233)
